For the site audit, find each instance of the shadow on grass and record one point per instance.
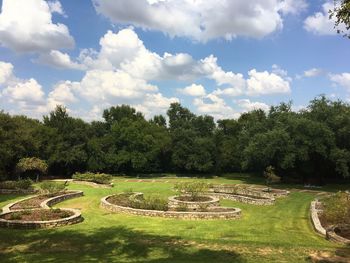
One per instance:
(113, 244)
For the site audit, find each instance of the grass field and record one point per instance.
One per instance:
(279, 233)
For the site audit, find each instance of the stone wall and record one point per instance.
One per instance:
(174, 203)
(245, 199)
(332, 235)
(249, 191)
(314, 212)
(231, 213)
(75, 218)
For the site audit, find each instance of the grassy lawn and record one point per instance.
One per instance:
(279, 233)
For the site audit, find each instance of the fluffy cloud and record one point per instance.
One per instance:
(202, 20)
(342, 80)
(26, 26)
(154, 104)
(215, 106)
(28, 92)
(193, 90)
(262, 83)
(247, 105)
(6, 70)
(319, 23)
(59, 60)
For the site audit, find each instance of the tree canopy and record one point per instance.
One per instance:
(310, 146)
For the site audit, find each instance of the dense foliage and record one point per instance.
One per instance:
(52, 188)
(192, 189)
(337, 209)
(24, 184)
(99, 178)
(33, 165)
(310, 146)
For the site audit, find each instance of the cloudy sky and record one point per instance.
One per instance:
(217, 57)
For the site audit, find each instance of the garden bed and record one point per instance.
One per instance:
(42, 216)
(186, 202)
(217, 213)
(37, 215)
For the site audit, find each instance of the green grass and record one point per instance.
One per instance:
(279, 233)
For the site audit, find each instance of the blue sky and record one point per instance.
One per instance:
(216, 57)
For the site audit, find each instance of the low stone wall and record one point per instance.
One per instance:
(314, 213)
(231, 213)
(174, 203)
(93, 184)
(245, 199)
(18, 191)
(332, 235)
(249, 191)
(18, 224)
(75, 218)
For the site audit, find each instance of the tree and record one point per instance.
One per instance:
(271, 177)
(341, 14)
(31, 166)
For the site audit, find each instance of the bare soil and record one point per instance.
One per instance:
(190, 199)
(38, 215)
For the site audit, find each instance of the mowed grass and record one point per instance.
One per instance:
(279, 233)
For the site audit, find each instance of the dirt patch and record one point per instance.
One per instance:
(343, 233)
(38, 215)
(33, 202)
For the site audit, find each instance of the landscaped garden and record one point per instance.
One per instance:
(281, 232)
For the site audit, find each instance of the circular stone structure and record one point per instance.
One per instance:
(175, 202)
(21, 224)
(214, 213)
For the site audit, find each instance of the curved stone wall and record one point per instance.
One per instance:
(231, 213)
(75, 218)
(246, 199)
(330, 232)
(174, 203)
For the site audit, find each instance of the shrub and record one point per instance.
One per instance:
(16, 216)
(52, 188)
(154, 203)
(270, 176)
(337, 209)
(31, 165)
(100, 178)
(194, 189)
(24, 184)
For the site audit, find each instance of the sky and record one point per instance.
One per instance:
(215, 57)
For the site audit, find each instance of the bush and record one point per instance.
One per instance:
(337, 209)
(148, 203)
(194, 189)
(23, 184)
(100, 178)
(52, 188)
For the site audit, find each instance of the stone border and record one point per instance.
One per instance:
(93, 184)
(333, 236)
(174, 203)
(249, 191)
(245, 199)
(232, 213)
(18, 191)
(330, 232)
(75, 218)
(314, 213)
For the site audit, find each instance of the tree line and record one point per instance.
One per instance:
(310, 146)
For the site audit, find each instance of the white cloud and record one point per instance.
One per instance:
(6, 70)
(193, 90)
(215, 106)
(59, 60)
(314, 72)
(26, 26)
(56, 7)
(154, 104)
(62, 94)
(247, 105)
(320, 24)
(202, 20)
(29, 91)
(262, 83)
(342, 80)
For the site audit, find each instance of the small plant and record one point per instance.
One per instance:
(337, 209)
(193, 189)
(52, 188)
(203, 207)
(16, 216)
(26, 212)
(270, 177)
